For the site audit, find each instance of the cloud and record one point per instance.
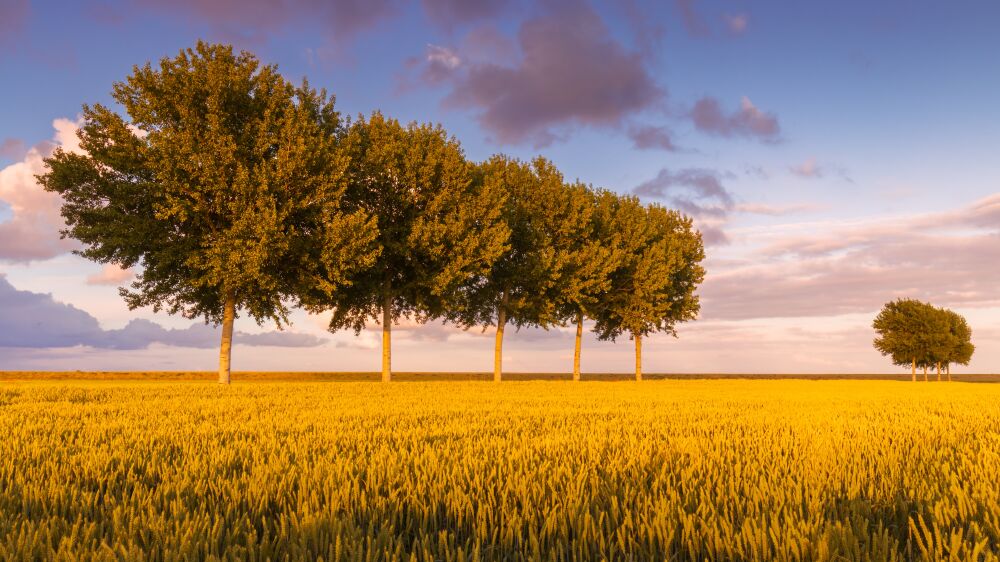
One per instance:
(696, 191)
(451, 13)
(111, 274)
(693, 22)
(807, 169)
(822, 269)
(36, 320)
(12, 149)
(13, 17)
(32, 230)
(747, 121)
(651, 137)
(571, 73)
(810, 168)
(776, 210)
(255, 21)
(736, 24)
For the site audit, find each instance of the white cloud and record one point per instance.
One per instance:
(32, 230)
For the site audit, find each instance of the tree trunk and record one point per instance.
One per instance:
(498, 347)
(913, 372)
(226, 347)
(576, 350)
(638, 357)
(386, 336)
(939, 371)
(925, 373)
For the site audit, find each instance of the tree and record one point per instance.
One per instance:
(437, 227)
(217, 186)
(545, 262)
(960, 347)
(596, 255)
(653, 286)
(912, 333)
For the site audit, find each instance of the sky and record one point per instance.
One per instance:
(834, 155)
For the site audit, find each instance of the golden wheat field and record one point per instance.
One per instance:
(451, 471)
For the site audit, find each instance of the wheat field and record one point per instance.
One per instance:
(458, 471)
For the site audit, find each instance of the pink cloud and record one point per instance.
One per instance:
(571, 73)
(747, 121)
(822, 269)
(32, 231)
(736, 23)
(808, 169)
(111, 274)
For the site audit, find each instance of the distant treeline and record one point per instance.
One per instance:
(234, 192)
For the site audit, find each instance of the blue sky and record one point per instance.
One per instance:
(836, 155)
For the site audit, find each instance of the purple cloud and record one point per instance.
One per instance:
(571, 73)
(255, 21)
(652, 137)
(450, 13)
(13, 16)
(696, 191)
(747, 121)
(12, 149)
(693, 22)
(36, 320)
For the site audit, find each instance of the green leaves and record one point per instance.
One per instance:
(916, 333)
(654, 282)
(221, 179)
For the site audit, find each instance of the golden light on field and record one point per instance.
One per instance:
(665, 470)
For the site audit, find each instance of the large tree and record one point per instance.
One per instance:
(596, 254)
(223, 185)
(653, 286)
(547, 259)
(437, 226)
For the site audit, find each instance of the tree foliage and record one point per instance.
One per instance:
(223, 185)
(917, 334)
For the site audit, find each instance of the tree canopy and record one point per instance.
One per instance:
(437, 227)
(917, 334)
(223, 185)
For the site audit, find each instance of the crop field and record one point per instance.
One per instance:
(536, 470)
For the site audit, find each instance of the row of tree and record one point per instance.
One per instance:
(234, 192)
(917, 334)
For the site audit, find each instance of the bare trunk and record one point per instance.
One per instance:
(939, 371)
(576, 350)
(498, 348)
(386, 335)
(638, 357)
(925, 373)
(226, 347)
(913, 373)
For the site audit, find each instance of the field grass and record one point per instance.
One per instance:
(363, 376)
(426, 471)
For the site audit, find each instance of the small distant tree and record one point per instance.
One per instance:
(912, 333)
(960, 347)
(652, 287)
(223, 186)
(437, 227)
